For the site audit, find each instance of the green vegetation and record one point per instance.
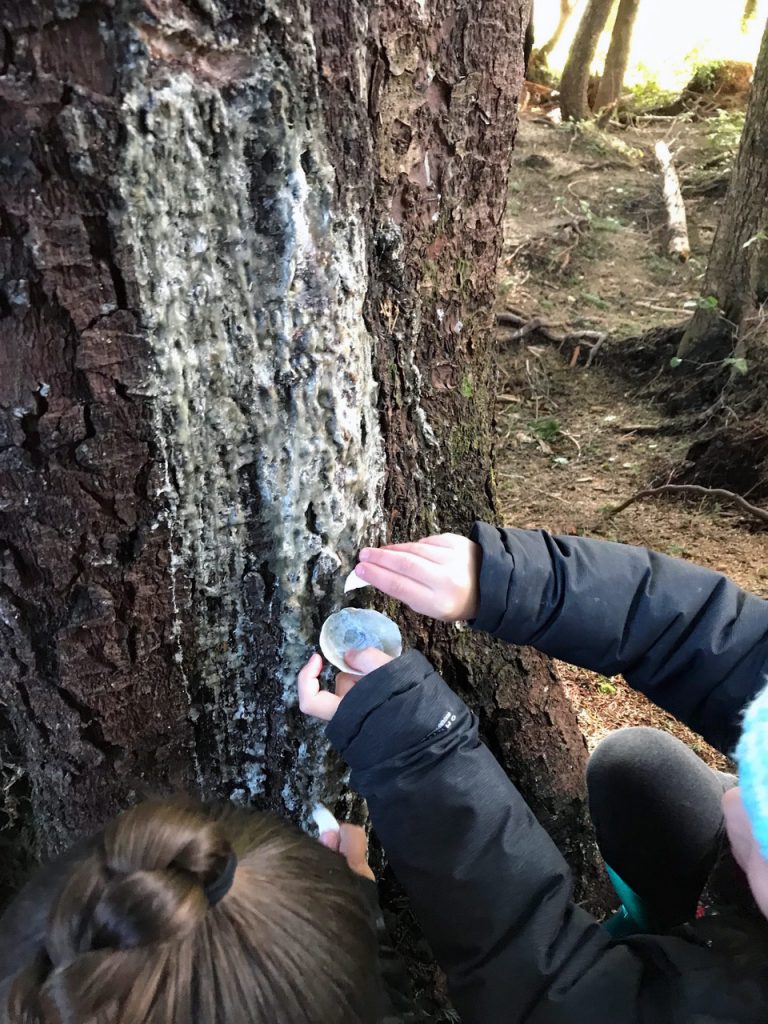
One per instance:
(648, 93)
(605, 686)
(724, 131)
(547, 428)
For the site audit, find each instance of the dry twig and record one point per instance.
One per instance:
(595, 349)
(557, 334)
(707, 492)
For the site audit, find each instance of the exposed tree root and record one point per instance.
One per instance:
(717, 493)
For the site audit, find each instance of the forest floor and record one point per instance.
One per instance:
(585, 249)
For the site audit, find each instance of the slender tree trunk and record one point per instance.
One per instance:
(528, 42)
(575, 80)
(249, 264)
(736, 283)
(609, 90)
(566, 10)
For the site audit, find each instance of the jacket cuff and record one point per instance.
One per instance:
(401, 706)
(497, 565)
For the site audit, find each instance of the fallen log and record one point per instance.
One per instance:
(678, 245)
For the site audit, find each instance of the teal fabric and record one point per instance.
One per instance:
(632, 917)
(621, 925)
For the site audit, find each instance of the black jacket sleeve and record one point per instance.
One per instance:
(489, 888)
(686, 636)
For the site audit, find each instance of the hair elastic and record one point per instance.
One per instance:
(218, 887)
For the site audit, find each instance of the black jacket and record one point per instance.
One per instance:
(491, 891)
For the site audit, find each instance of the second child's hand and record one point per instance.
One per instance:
(436, 576)
(323, 704)
(352, 843)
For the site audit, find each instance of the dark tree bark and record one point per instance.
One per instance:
(736, 284)
(248, 278)
(609, 89)
(575, 80)
(528, 42)
(566, 10)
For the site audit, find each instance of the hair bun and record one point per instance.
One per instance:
(149, 884)
(162, 834)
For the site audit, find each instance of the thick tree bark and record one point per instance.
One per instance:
(566, 10)
(249, 263)
(612, 80)
(736, 283)
(575, 80)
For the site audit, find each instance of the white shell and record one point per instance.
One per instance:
(324, 820)
(353, 582)
(358, 628)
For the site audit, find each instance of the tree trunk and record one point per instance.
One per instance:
(566, 10)
(575, 80)
(609, 90)
(528, 41)
(249, 264)
(736, 283)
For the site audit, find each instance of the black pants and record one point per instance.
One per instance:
(656, 809)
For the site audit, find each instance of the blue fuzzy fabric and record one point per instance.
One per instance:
(752, 758)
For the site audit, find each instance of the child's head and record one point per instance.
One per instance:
(746, 807)
(186, 914)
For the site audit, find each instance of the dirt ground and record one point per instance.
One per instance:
(586, 250)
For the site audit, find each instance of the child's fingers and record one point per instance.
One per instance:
(321, 704)
(353, 841)
(366, 659)
(312, 669)
(353, 846)
(443, 540)
(422, 550)
(344, 683)
(416, 568)
(402, 588)
(332, 840)
(313, 700)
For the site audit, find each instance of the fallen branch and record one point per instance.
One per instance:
(641, 428)
(706, 492)
(595, 349)
(524, 330)
(678, 245)
(525, 326)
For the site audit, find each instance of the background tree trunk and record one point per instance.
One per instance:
(528, 41)
(737, 275)
(575, 79)
(612, 80)
(566, 10)
(247, 302)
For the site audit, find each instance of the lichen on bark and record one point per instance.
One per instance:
(251, 275)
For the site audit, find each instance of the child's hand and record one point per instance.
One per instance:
(323, 704)
(437, 576)
(352, 843)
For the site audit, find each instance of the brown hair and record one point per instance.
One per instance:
(133, 939)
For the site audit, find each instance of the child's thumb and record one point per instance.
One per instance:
(353, 846)
(366, 660)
